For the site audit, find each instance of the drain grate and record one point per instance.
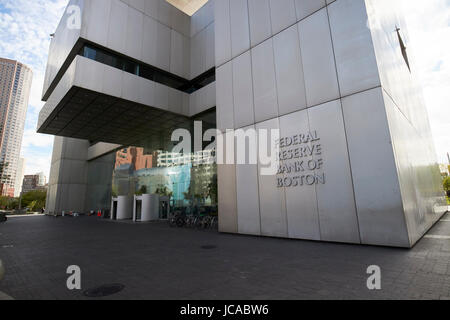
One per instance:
(208, 247)
(104, 291)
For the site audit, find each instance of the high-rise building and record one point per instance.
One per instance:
(42, 179)
(19, 177)
(33, 182)
(15, 85)
(354, 159)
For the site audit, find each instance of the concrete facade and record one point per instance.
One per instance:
(334, 71)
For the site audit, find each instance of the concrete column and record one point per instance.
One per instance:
(68, 176)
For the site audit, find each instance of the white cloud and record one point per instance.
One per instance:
(429, 30)
(31, 139)
(40, 162)
(25, 28)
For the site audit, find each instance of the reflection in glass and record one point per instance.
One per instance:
(189, 181)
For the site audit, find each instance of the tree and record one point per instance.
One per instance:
(34, 200)
(142, 190)
(163, 191)
(212, 190)
(446, 184)
(7, 203)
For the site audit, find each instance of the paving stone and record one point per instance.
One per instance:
(155, 261)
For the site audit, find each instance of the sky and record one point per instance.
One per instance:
(25, 26)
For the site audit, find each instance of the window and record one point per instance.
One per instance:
(146, 71)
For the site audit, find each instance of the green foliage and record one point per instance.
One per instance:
(164, 191)
(212, 190)
(114, 191)
(7, 203)
(142, 190)
(34, 200)
(446, 184)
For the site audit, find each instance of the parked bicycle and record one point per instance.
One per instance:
(178, 219)
(197, 220)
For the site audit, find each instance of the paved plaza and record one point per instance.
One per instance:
(154, 261)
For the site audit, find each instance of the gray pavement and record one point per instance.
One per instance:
(155, 261)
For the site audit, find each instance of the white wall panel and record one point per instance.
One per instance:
(355, 55)
(118, 26)
(272, 199)
(149, 46)
(244, 113)
(134, 35)
(210, 52)
(224, 89)
(147, 92)
(161, 96)
(264, 82)
(306, 7)
(282, 13)
(131, 89)
(99, 11)
(198, 54)
(222, 31)
(301, 201)
(164, 12)
(175, 100)
(260, 26)
(240, 33)
(336, 202)
(249, 219)
(151, 8)
(376, 185)
(177, 54)
(111, 84)
(318, 59)
(88, 74)
(289, 71)
(228, 221)
(226, 183)
(137, 4)
(163, 47)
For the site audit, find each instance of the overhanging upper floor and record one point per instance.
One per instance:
(145, 61)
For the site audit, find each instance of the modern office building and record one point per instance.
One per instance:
(33, 182)
(19, 177)
(42, 179)
(15, 85)
(354, 152)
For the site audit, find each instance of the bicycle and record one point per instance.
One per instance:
(177, 220)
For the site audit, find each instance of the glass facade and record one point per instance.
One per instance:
(189, 180)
